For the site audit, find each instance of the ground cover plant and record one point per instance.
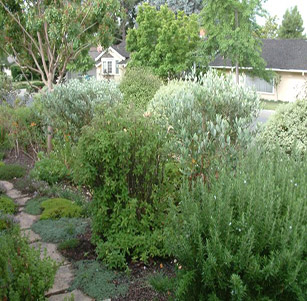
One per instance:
(121, 158)
(7, 205)
(243, 237)
(33, 206)
(60, 230)
(24, 276)
(11, 171)
(287, 128)
(57, 208)
(139, 85)
(89, 276)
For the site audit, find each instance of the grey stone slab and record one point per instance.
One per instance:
(51, 251)
(26, 220)
(22, 201)
(78, 296)
(7, 185)
(62, 281)
(14, 194)
(32, 236)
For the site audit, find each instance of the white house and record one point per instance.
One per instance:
(111, 62)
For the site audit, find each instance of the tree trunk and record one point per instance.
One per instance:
(237, 63)
(49, 129)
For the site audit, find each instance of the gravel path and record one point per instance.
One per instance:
(65, 273)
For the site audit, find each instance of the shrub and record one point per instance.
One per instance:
(7, 205)
(71, 105)
(121, 158)
(98, 282)
(69, 244)
(208, 120)
(287, 128)
(139, 86)
(244, 236)
(57, 208)
(33, 206)
(60, 230)
(11, 171)
(24, 276)
(7, 221)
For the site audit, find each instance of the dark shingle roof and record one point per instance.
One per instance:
(121, 49)
(93, 53)
(279, 54)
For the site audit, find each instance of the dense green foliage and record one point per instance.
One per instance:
(188, 6)
(230, 25)
(98, 282)
(207, 120)
(244, 236)
(270, 29)
(60, 230)
(121, 158)
(69, 244)
(71, 105)
(163, 40)
(33, 206)
(58, 208)
(11, 171)
(24, 276)
(139, 86)
(287, 128)
(7, 205)
(292, 25)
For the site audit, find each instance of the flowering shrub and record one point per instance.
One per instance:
(244, 237)
(207, 119)
(287, 128)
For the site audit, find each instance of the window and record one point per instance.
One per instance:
(104, 67)
(259, 84)
(110, 67)
(117, 67)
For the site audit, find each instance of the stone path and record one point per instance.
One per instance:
(65, 274)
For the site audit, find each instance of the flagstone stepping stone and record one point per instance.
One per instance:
(51, 251)
(26, 220)
(22, 201)
(14, 194)
(32, 236)
(62, 281)
(7, 185)
(78, 296)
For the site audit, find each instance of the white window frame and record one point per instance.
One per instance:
(117, 67)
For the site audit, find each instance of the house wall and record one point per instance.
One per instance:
(289, 87)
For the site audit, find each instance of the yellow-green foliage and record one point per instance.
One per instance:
(57, 208)
(1, 163)
(7, 205)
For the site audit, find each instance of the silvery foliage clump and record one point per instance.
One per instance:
(206, 117)
(73, 104)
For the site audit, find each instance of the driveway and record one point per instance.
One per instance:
(264, 115)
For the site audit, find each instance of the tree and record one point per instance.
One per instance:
(163, 40)
(230, 27)
(53, 34)
(269, 29)
(292, 25)
(188, 6)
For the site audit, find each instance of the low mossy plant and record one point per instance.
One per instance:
(69, 244)
(33, 206)
(60, 230)
(58, 208)
(1, 163)
(97, 281)
(7, 205)
(11, 171)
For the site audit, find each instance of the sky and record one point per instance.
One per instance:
(278, 7)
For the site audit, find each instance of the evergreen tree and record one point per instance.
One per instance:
(269, 29)
(292, 25)
(188, 6)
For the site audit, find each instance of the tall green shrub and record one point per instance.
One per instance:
(208, 119)
(287, 128)
(139, 85)
(244, 237)
(121, 158)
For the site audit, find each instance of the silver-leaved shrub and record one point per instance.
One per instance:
(206, 119)
(287, 128)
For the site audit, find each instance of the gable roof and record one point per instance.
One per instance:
(121, 49)
(279, 54)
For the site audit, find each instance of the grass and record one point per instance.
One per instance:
(271, 105)
(11, 171)
(60, 230)
(97, 281)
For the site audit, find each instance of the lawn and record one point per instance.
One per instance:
(271, 105)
